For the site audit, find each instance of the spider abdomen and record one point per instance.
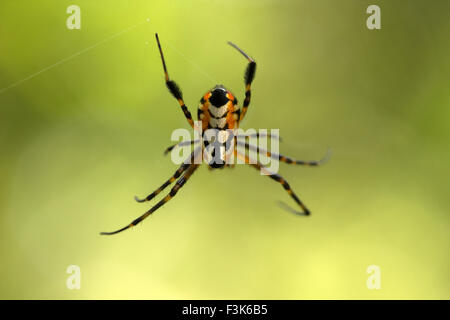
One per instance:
(218, 109)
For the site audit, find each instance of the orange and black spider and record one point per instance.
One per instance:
(219, 110)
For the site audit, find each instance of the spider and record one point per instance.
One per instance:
(219, 110)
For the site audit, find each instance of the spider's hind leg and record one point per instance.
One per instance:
(174, 88)
(248, 78)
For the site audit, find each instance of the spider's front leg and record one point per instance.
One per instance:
(175, 176)
(305, 211)
(180, 144)
(180, 183)
(260, 135)
(185, 171)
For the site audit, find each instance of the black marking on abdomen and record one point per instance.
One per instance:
(218, 96)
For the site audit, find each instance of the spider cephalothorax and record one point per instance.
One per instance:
(218, 111)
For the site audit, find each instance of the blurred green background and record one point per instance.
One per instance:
(81, 138)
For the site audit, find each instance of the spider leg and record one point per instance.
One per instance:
(228, 162)
(175, 176)
(180, 144)
(174, 88)
(179, 184)
(286, 159)
(278, 179)
(248, 77)
(258, 135)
